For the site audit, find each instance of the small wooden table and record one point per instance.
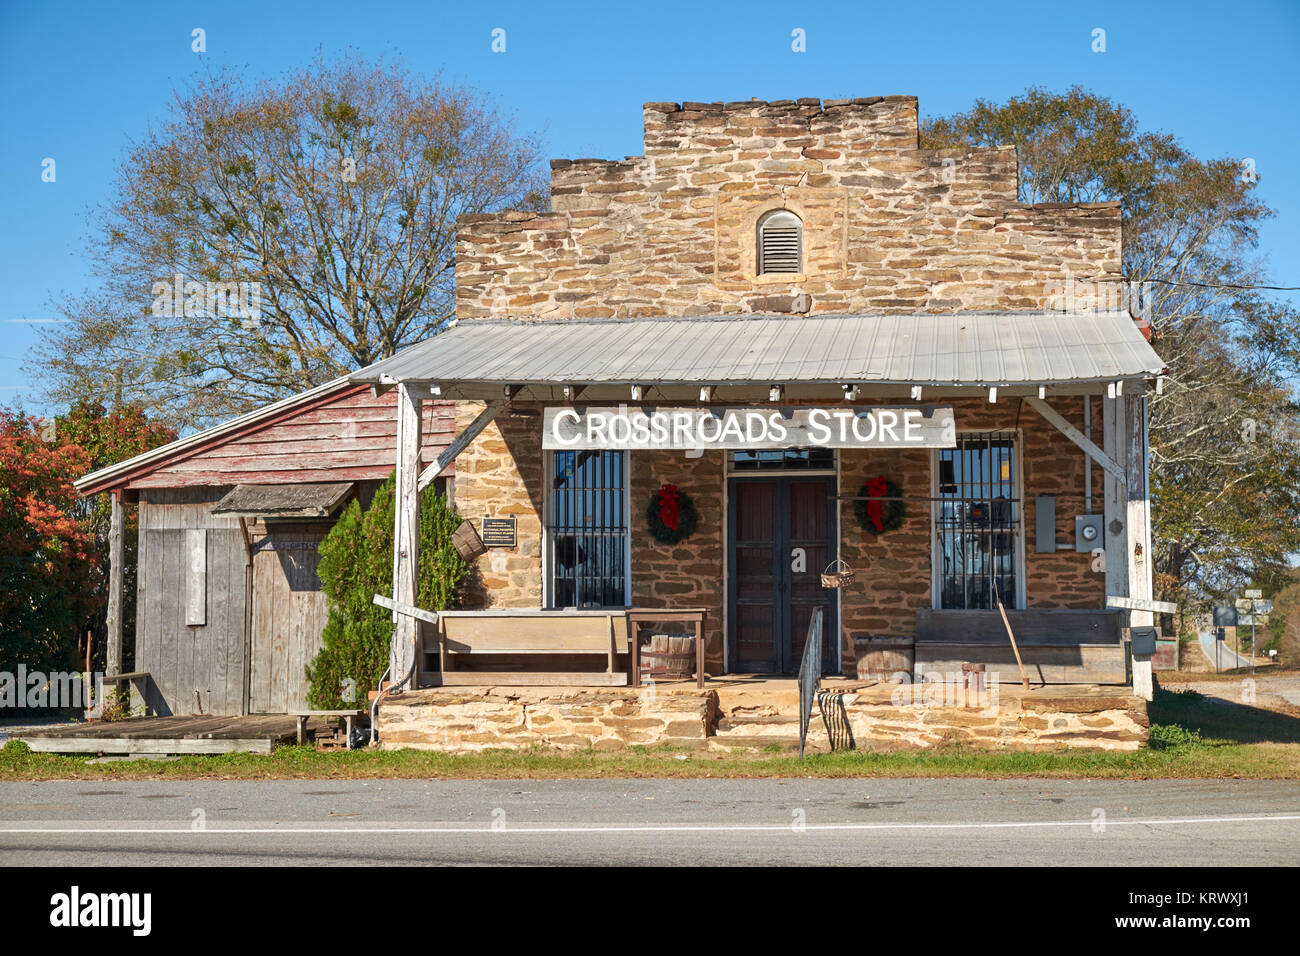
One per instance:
(349, 719)
(637, 616)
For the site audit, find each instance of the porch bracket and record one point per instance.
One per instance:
(1054, 418)
(460, 443)
(401, 608)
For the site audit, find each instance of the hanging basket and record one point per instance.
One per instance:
(468, 544)
(834, 577)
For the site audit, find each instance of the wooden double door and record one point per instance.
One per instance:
(782, 536)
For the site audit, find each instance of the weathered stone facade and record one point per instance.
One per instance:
(888, 227)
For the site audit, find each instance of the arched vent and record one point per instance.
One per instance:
(780, 243)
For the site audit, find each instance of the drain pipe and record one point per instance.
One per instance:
(374, 707)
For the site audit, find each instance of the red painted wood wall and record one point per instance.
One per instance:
(348, 436)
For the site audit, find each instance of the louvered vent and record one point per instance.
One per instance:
(780, 243)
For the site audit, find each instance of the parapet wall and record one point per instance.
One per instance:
(888, 227)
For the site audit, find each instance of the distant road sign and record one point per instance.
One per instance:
(1263, 607)
(1246, 620)
(1252, 593)
(1225, 617)
(1243, 604)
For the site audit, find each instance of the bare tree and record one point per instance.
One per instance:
(269, 236)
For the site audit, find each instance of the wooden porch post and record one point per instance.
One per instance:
(116, 529)
(406, 532)
(1138, 522)
(1128, 513)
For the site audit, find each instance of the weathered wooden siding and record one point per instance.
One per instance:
(289, 614)
(348, 436)
(187, 660)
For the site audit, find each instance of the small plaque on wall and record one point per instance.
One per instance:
(499, 532)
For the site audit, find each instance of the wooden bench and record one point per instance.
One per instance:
(137, 680)
(349, 720)
(461, 635)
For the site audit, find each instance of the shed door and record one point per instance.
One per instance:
(289, 614)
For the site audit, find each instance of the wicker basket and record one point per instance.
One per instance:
(669, 657)
(468, 544)
(837, 578)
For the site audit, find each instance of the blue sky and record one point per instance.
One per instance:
(78, 80)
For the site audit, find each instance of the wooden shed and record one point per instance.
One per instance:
(230, 609)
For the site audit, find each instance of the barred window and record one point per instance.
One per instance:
(780, 242)
(587, 523)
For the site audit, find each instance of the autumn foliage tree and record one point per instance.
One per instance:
(47, 556)
(106, 438)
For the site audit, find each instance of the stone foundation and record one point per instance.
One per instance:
(760, 714)
(514, 718)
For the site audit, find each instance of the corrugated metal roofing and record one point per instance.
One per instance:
(963, 349)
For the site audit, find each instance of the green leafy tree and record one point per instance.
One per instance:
(1225, 461)
(356, 563)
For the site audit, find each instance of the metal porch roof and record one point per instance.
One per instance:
(984, 348)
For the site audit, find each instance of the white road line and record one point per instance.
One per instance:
(680, 828)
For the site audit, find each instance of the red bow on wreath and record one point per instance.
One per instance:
(876, 489)
(668, 505)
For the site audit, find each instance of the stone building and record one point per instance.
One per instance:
(805, 261)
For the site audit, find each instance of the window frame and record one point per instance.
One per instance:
(548, 495)
(1016, 437)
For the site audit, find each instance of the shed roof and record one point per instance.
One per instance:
(311, 500)
(964, 349)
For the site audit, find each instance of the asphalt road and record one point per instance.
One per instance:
(684, 822)
(1221, 656)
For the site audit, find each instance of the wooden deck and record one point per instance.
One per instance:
(258, 734)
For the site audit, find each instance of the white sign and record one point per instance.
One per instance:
(915, 426)
(1141, 604)
(1252, 593)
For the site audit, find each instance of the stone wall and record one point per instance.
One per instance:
(690, 573)
(894, 569)
(756, 717)
(499, 475)
(909, 716)
(888, 227)
(509, 718)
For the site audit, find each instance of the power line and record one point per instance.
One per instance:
(1201, 285)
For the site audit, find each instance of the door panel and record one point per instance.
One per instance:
(289, 614)
(754, 577)
(811, 529)
(783, 536)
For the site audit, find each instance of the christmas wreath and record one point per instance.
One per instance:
(671, 516)
(878, 516)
